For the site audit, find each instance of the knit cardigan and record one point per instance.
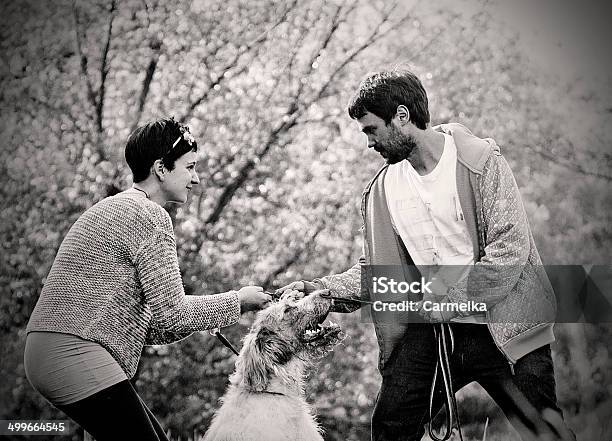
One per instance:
(508, 275)
(115, 280)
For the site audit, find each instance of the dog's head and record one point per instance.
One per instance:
(288, 330)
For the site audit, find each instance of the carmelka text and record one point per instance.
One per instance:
(430, 306)
(383, 285)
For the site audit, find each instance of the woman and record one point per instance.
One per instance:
(115, 286)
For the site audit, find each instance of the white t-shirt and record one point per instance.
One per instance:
(426, 214)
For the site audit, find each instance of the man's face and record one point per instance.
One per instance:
(388, 140)
(179, 181)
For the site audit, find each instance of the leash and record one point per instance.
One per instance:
(223, 339)
(327, 295)
(443, 365)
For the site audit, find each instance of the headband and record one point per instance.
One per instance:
(185, 135)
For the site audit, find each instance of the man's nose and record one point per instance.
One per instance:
(371, 142)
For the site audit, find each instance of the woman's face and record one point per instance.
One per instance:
(179, 181)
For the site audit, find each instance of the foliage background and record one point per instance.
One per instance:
(263, 84)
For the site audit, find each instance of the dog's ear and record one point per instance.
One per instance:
(260, 353)
(253, 365)
(273, 346)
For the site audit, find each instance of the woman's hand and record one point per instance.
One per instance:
(253, 298)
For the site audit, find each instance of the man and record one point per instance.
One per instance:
(446, 199)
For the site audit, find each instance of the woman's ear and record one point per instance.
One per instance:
(159, 169)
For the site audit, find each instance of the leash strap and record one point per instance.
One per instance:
(217, 333)
(443, 368)
(345, 299)
(223, 339)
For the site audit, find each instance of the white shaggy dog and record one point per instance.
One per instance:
(265, 400)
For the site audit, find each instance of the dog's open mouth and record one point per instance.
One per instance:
(321, 331)
(320, 339)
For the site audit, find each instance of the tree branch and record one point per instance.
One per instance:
(96, 98)
(424, 49)
(146, 7)
(104, 71)
(243, 174)
(228, 160)
(234, 62)
(335, 23)
(146, 83)
(289, 120)
(376, 35)
(294, 258)
(298, 44)
(83, 58)
(58, 108)
(196, 73)
(569, 164)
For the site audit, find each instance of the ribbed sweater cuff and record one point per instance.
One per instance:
(228, 301)
(217, 310)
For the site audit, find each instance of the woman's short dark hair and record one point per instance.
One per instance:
(157, 140)
(381, 93)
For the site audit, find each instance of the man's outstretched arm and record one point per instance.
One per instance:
(346, 285)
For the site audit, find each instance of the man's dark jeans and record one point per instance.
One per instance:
(402, 406)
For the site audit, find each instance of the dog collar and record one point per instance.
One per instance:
(272, 393)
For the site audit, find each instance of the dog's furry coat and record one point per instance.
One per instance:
(265, 400)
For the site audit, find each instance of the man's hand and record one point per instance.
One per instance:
(303, 286)
(253, 298)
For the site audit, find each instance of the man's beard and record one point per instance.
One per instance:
(397, 146)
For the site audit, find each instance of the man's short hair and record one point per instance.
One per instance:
(157, 140)
(381, 93)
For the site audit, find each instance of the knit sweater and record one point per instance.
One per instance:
(508, 275)
(116, 281)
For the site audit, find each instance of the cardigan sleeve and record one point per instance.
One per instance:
(174, 313)
(346, 285)
(506, 237)
(158, 336)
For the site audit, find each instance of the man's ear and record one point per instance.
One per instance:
(159, 169)
(402, 114)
